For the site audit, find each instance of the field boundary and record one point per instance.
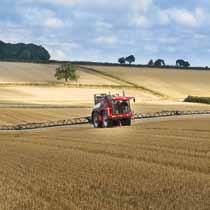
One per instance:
(87, 120)
(92, 63)
(197, 99)
(63, 85)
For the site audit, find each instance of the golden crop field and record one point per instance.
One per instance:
(14, 94)
(25, 88)
(35, 83)
(34, 114)
(151, 165)
(29, 73)
(177, 84)
(155, 164)
(14, 116)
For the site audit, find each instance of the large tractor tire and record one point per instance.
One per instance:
(95, 120)
(106, 122)
(126, 122)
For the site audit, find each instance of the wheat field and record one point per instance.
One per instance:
(158, 164)
(25, 88)
(177, 84)
(14, 116)
(14, 94)
(29, 73)
(19, 114)
(151, 165)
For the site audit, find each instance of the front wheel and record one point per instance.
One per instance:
(106, 122)
(96, 121)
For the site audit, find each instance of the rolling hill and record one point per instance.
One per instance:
(156, 164)
(43, 73)
(154, 83)
(33, 86)
(176, 84)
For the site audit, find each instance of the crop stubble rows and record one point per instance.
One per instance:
(162, 165)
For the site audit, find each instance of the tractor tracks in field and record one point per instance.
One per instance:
(141, 153)
(78, 145)
(144, 155)
(123, 81)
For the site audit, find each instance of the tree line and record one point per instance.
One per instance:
(158, 63)
(23, 52)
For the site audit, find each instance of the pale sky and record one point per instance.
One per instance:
(104, 30)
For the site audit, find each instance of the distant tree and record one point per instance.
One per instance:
(182, 63)
(187, 64)
(130, 59)
(121, 60)
(67, 72)
(159, 63)
(150, 63)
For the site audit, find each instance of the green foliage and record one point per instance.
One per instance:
(182, 63)
(130, 59)
(159, 63)
(195, 99)
(23, 52)
(122, 60)
(67, 72)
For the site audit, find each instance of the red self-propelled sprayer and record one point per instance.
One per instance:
(111, 110)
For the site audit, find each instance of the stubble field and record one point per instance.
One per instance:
(154, 164)
(30, 93)
(175, 84)
(151, 165)
(18, 114)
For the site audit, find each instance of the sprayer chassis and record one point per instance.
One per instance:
(111, 111)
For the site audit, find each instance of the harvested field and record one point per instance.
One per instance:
(168, 106)
(19, 114)
(32, 95)
(26, 83)
(177, 84)
(154, 165)
(29, 73)
(14, 116)
(60, 95)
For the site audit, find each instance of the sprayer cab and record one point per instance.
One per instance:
(111, 110)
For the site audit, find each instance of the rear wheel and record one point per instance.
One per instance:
(106, 122)
(96, 122)
(126, 122)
